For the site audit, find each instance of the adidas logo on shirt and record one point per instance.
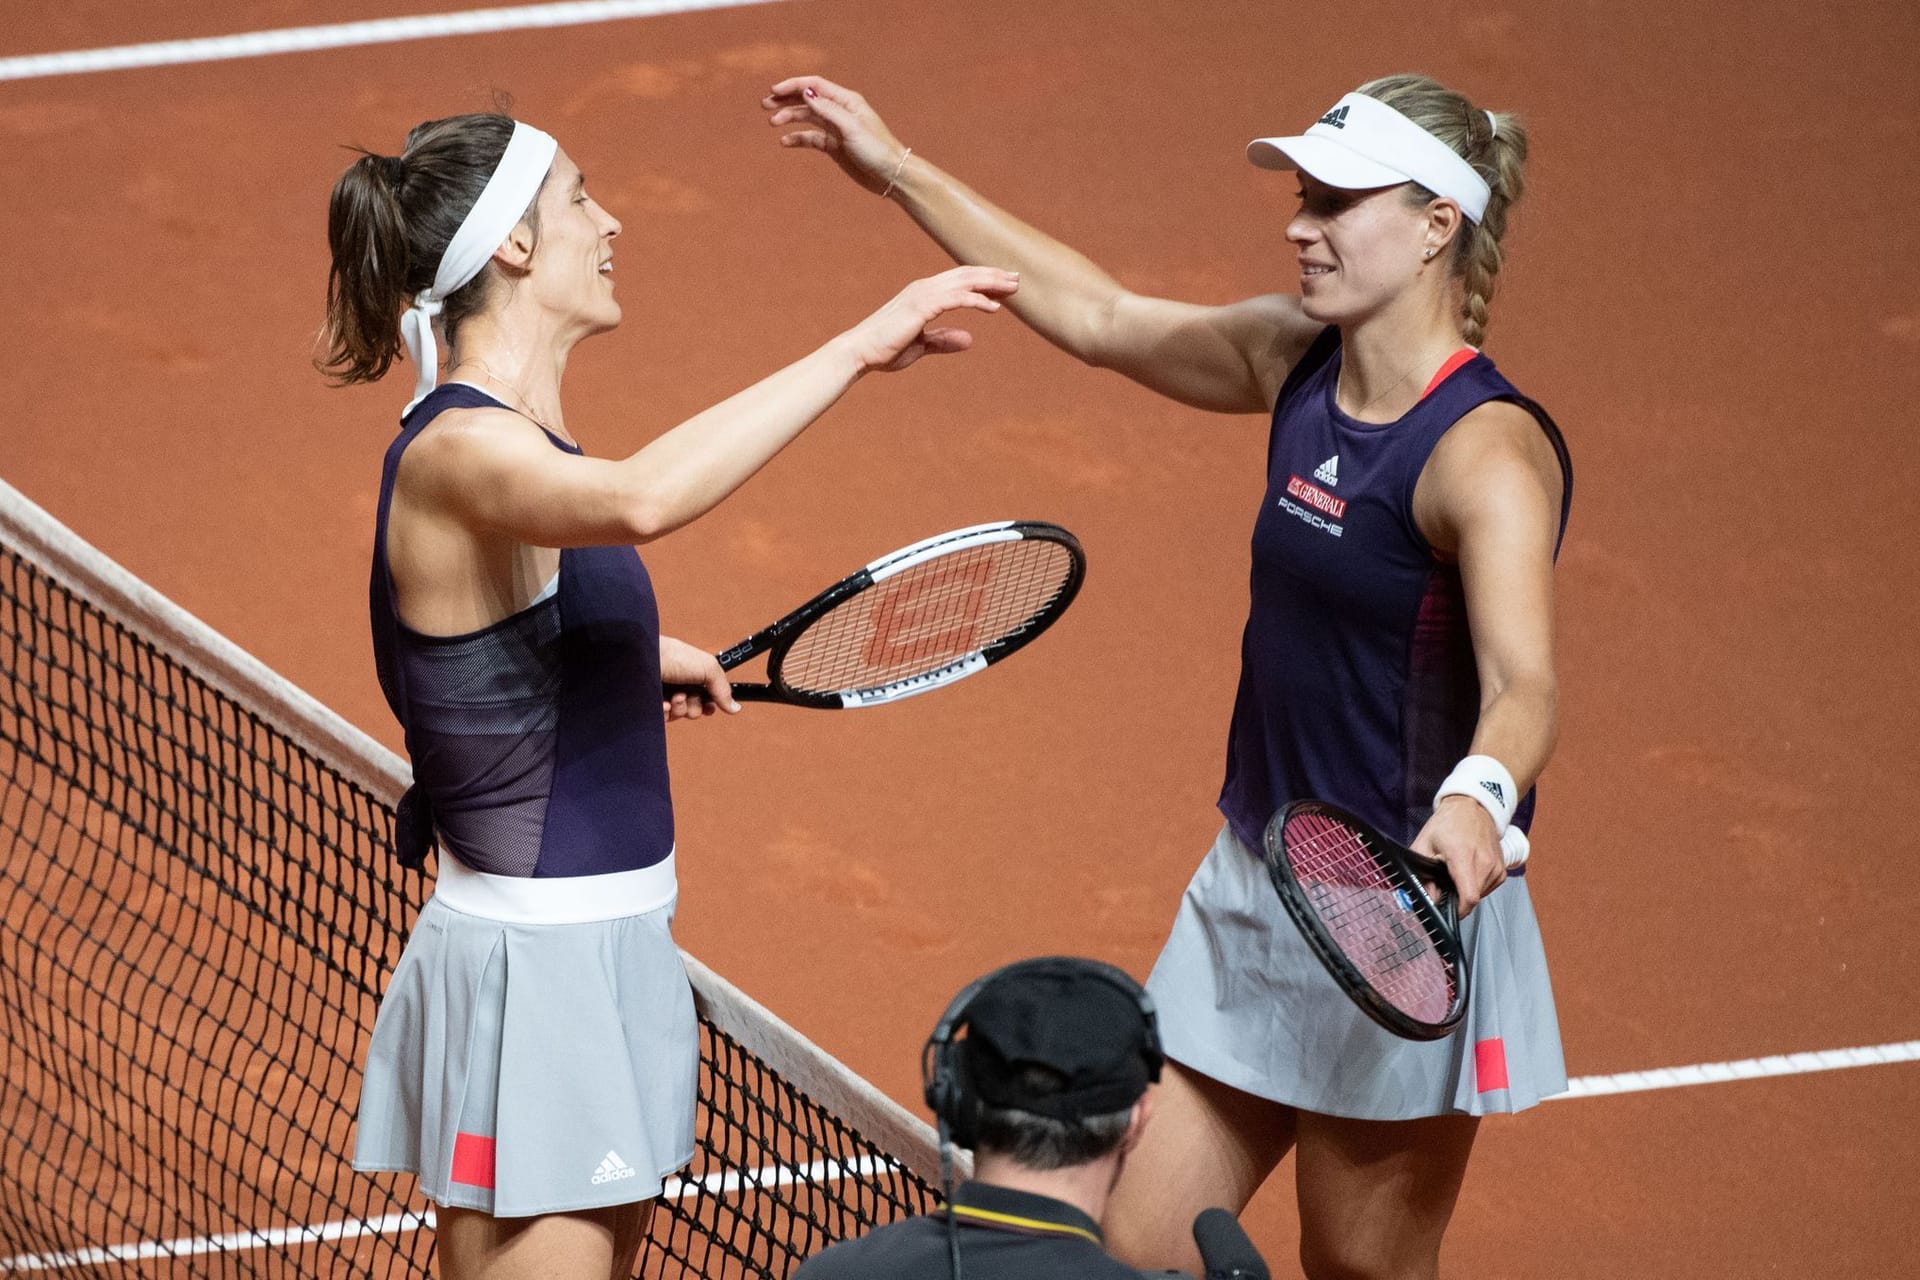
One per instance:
(613, 1169)
(1328, 472)
(1336, 117)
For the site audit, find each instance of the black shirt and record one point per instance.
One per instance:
(1004, 1235)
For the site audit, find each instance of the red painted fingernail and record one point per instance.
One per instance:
(810, 92)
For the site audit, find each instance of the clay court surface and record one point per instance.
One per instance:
(1713, 286)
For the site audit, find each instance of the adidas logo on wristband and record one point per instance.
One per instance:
(1485, 781)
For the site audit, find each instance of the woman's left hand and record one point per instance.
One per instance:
(1460, 833)
(685, 664)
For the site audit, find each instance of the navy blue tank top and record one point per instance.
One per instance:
(1357, 679)
(537, 743)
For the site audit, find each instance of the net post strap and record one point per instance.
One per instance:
(90, 574)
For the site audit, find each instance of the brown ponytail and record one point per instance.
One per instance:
(389, 223)
(1497, 150)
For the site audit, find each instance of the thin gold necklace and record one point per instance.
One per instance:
(525, 408)
(1391, 386)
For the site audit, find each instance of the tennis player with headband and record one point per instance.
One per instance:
(534, 1058)
(1397, 659)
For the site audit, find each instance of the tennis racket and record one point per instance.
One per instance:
(1358, 899)
(917, 620)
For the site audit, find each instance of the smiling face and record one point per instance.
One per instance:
(572, 267)
(1359, 250)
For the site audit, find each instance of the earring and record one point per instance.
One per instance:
(1429, 251)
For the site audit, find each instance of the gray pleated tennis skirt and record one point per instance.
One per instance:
(521, 1066)
(1241, 999)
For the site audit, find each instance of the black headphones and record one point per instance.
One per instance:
(943, 1078)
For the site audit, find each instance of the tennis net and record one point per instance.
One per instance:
(198, 907)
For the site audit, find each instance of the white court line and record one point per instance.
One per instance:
(1787, 1064)
(433, 26)
(263, 1238)
(399, 1223)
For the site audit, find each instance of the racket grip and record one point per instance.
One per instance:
(1514, 847)
(742, 692)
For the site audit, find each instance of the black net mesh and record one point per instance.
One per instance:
(196, 917)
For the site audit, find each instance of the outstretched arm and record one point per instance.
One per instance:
(1231, 359)
(490, 470)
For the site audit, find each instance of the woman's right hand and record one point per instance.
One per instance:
(898, 334)
(841, 124)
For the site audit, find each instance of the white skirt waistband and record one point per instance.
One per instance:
(560, 900)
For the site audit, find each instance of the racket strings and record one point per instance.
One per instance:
(1370, 915)
(929, 616)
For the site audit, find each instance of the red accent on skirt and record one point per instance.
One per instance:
(1490, 1065)
(473, 1160)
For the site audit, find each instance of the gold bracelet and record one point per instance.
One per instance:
(896, 173)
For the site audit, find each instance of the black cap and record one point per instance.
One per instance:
(1087, 1024)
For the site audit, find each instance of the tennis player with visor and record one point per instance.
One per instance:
(534, 1058)
(1397, 659)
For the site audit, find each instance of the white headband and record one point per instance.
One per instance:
(509, 192)
(1364, 143)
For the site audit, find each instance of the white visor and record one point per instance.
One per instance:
(1364, 143)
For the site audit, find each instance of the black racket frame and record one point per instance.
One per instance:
(1404, 869)
(777, 638)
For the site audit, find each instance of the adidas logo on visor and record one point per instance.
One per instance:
(1361, 143)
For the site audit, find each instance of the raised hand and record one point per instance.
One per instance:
(838, 121)
(898, 334)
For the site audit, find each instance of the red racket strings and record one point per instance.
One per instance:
(1369, 916)
(929, 615)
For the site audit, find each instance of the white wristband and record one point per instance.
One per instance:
(1514, 848)
(1487, 781)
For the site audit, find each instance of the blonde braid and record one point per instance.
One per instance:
(1479, 264)
(1500, 158)
(1497, 149)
